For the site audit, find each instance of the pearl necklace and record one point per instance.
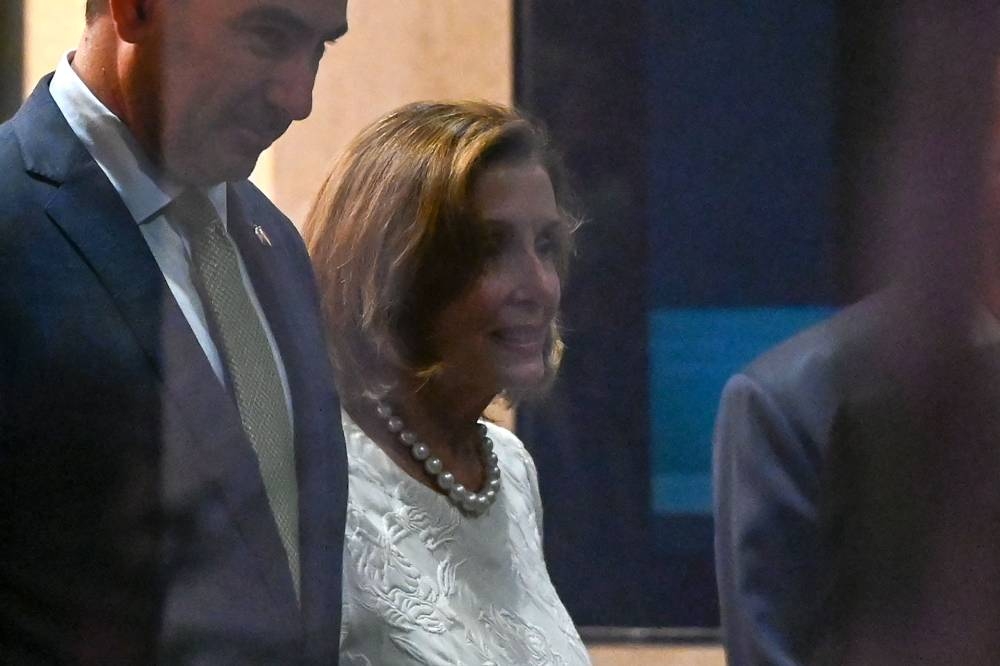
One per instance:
(474, 504)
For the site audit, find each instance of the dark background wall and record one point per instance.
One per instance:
(579, 69)
(739, 155)
(723, 153)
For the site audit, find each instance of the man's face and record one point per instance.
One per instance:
(217, 81)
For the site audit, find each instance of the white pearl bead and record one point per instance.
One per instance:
(457, 493)
(433, 465)
(472, 503)
(446, 481)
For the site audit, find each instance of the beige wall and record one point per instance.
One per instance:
(396, 51)
(51, 27)
(647, 655)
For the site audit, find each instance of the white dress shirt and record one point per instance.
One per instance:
(146, 192)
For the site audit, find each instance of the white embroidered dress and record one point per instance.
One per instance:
(425, 584)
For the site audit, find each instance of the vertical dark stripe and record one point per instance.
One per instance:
(11, 57)
(579, 70)
(865, 93)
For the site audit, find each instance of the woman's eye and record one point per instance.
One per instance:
(545, 246)
(548, 244)
(494, 244)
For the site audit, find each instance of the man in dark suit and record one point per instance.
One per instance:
(856, 501)
(172, 474)
(855, 470)
(772, 442)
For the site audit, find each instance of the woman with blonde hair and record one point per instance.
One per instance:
(440, 243)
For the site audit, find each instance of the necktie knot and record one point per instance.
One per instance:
(195, 214)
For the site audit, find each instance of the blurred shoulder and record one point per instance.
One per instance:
(839, 348)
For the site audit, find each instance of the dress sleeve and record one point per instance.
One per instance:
(768, 554)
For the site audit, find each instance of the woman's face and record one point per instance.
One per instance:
(495, 335)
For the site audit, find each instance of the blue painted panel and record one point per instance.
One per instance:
(692, 354)
(741, 137)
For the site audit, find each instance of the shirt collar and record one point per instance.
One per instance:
(144, 189)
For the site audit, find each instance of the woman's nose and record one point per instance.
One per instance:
(537, 280)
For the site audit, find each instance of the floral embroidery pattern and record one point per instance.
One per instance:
(391, 586)
(519, 643)
(425, 584)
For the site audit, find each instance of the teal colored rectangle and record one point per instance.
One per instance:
(692, 354)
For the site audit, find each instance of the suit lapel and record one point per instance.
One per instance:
(286, 295)
(91, 215)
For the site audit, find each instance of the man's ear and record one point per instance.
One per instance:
(132, 18)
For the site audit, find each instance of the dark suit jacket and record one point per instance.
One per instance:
(848, 471)
(134, 525)
(771, 440)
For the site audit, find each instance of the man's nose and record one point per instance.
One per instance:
(291, 89)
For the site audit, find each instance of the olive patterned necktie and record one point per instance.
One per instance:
(249, 359)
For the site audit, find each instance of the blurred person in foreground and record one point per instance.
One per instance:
(172, 475)
(856, 465)
(440, 244)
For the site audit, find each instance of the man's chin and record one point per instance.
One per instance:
(211, 172)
